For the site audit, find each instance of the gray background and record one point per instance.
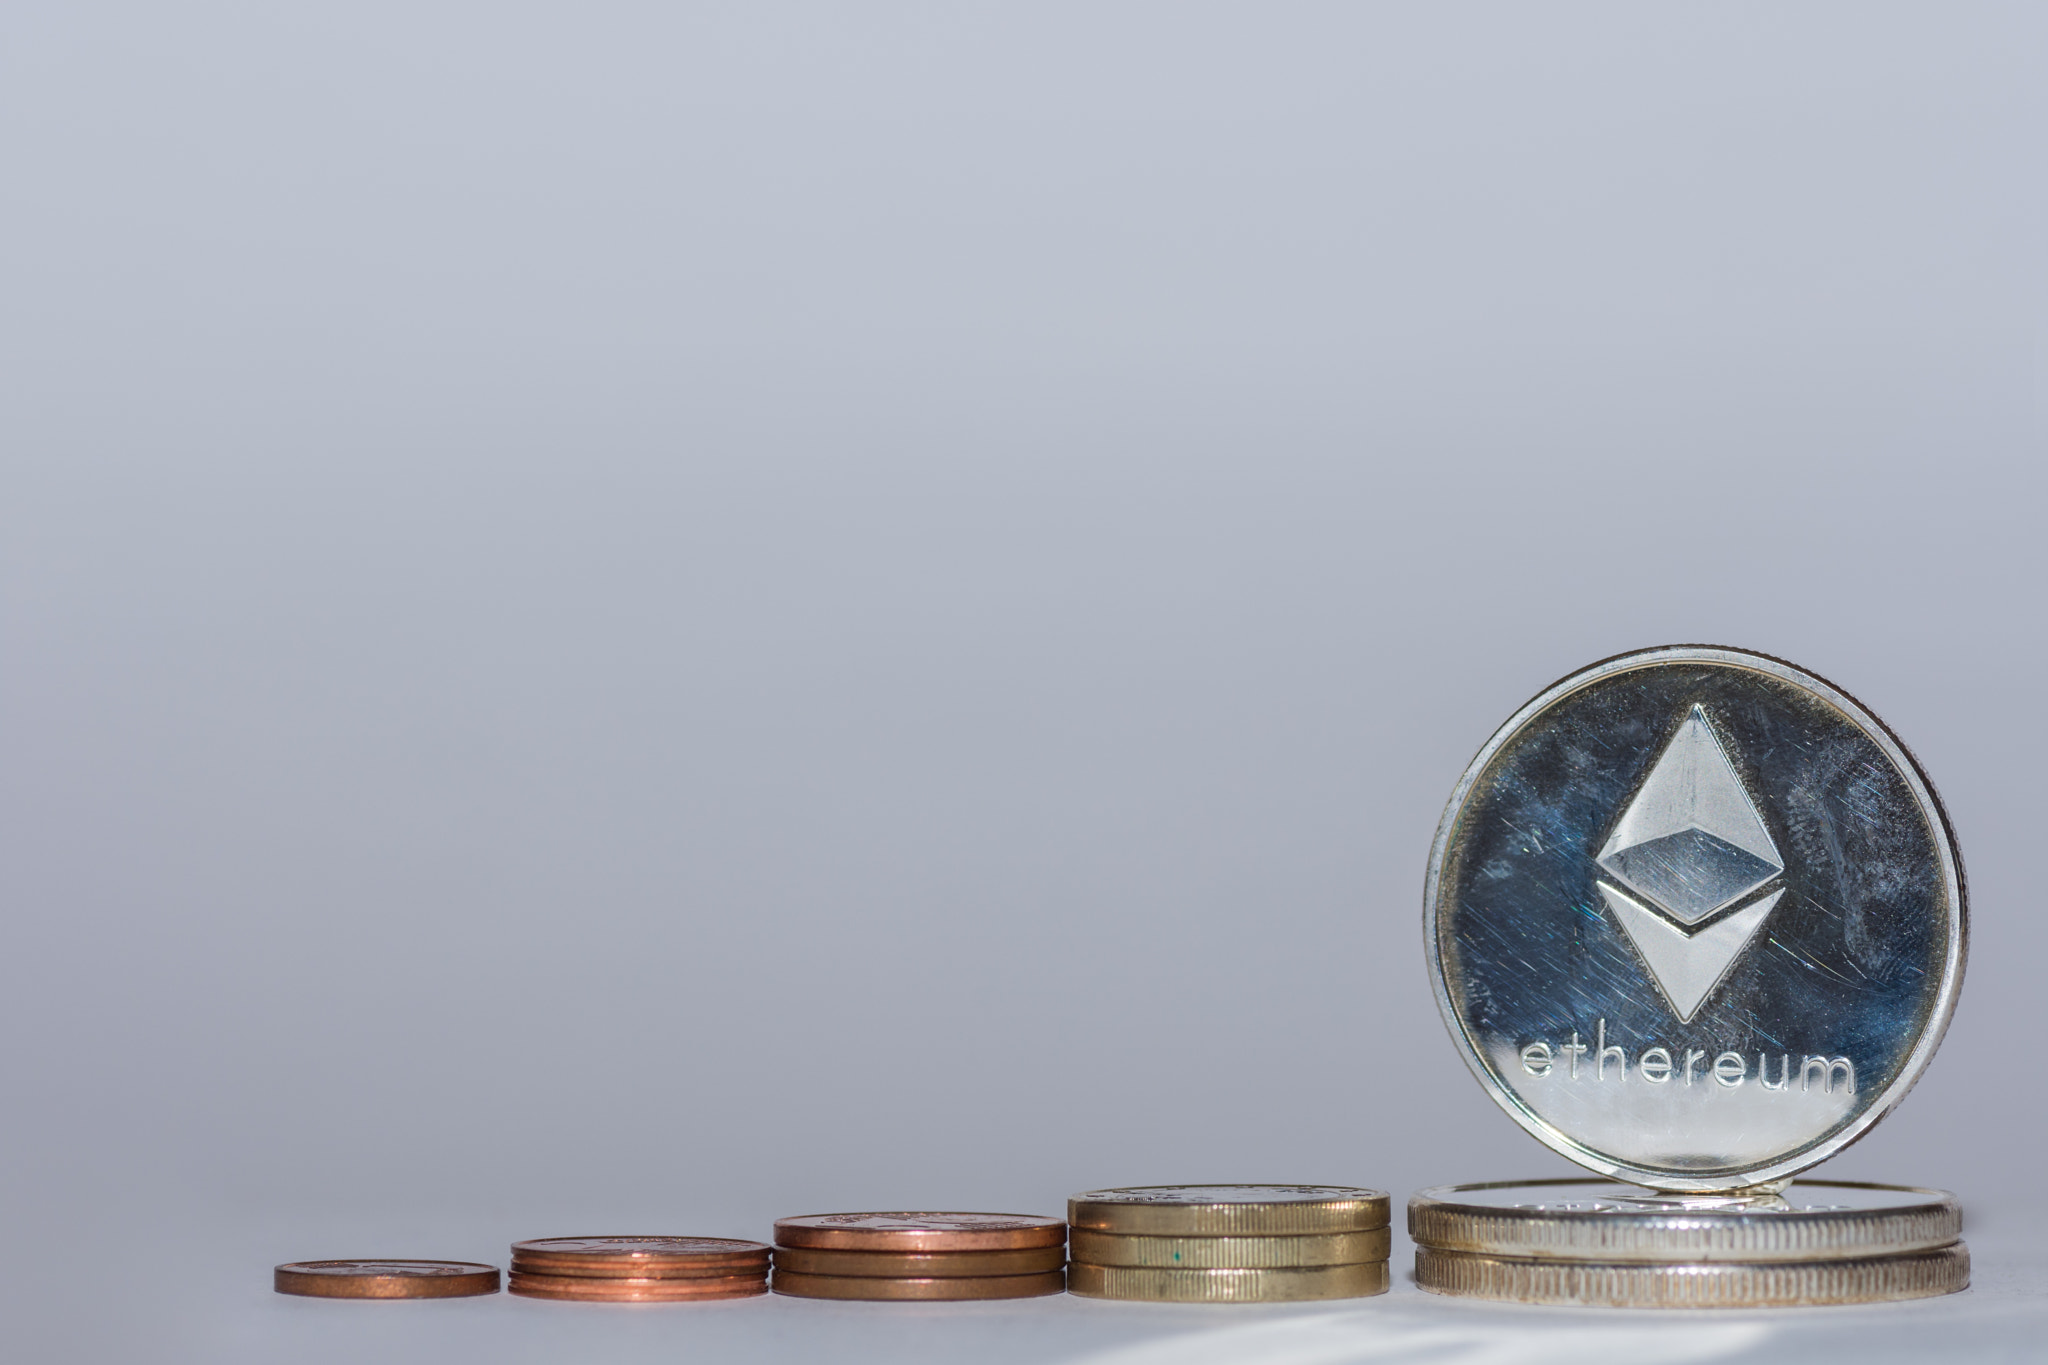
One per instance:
(639, 618)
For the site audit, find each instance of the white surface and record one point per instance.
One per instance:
(215, 1304)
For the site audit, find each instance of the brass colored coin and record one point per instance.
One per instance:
(658, 1257)
(1229, 1210)
(386, 1279)
(919, 1265)
(955, 1287)
(636, 1289)
(920, 1231)
(1156, 1285)
(1588, 1219)
(1710, 1284)
(1242, 1253)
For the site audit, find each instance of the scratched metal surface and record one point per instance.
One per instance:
(1859, 957)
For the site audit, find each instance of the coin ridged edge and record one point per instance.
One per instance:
(1724, 1284)
(1436, 1218)
(885, 1289)
(1155, 1284)
(1280, 1218)
(1229, 1253)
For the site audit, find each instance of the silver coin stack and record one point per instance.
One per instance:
(1696, 921)
(1228, 1243)
(1602, 1243)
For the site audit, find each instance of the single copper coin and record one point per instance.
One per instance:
(636, 1289)
(920, 1231)
(386, 1279)
(657, 1257)
(954, 1288)
(919, 1265)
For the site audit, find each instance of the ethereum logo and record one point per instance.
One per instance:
(1689, 849)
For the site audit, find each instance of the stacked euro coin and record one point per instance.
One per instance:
(1597, 1242)
(1228, 1243)
(639, 1269)
(920, 1256)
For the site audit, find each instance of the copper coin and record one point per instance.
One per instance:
(919, 1265)
(386, 1279)
(658, 1257)
(956, 1287)
(920, 1231)
(636, 1289)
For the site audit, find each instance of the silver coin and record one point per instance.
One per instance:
(1598, 1220)
(1921, 1275)
(1695, 918)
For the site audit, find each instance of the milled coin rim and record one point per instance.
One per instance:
(1719, 1284)
(1294, 1251)
(1358, 1209)
(1160, 1284)
(1927, 1221)
(1953, 880)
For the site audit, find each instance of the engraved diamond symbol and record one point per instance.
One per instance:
(1691, 840)
(1690, 845)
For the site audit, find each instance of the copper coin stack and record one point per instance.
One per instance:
(929, 1256)
(639, 1269)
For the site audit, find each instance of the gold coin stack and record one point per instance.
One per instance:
(1228, 1243)
(928, 1256)
(639, 1269)
(1597, 1242)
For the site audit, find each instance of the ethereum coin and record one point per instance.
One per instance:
(951, 1288)
(1267, 1285)
(1229, 1210)
(1695, 918)
(1598, 1220)
(1231, 1253)
(386, 1279)
(1722, 1284)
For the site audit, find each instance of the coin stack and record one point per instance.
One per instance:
(1595, 1242)
(928, 1256)
(1228, 1243)
(639, 1269)
(1636, 913)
